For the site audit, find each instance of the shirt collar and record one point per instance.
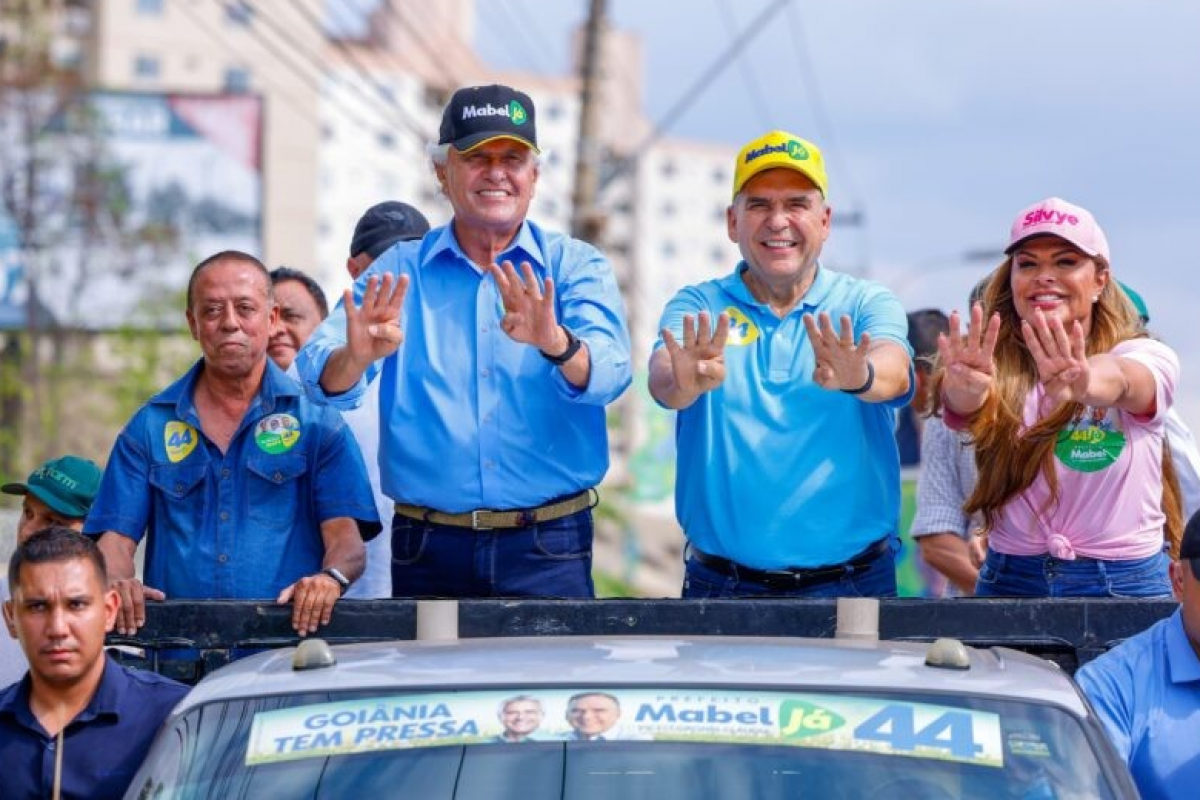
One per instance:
(527, 245)
(106, 700)
(275, 384)
(734, 285)
(1181, 656)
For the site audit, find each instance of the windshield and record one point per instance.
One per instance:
(603, 743)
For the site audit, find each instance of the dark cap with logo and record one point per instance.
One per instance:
(1189, 548)
(68, 485)
(384, 224)
(478, 114)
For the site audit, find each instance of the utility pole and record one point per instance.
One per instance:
(586, 221)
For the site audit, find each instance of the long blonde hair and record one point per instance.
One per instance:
(1009, 458)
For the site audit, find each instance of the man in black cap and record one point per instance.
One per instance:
(59, 492)
(494, 380)
(381, 226)
(1146, 691)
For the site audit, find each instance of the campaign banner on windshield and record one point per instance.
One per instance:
(885, 726)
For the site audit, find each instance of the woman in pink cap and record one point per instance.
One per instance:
(1065, 397)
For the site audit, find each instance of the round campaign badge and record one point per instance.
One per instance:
(180, 440)
(1089, 448)
(277, 433)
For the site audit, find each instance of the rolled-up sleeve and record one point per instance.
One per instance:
(123, 501)
(590, 305)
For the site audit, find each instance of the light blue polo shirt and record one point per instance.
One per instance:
(1146, 691)
(774, 471)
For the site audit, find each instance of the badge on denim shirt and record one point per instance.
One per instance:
(180, 440)
(277, 433)
(1090, 444)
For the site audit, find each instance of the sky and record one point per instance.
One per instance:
(940, 120)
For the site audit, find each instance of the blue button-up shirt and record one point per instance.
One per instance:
(102, 747)
(245, 523)
(469, 418)
(773, 470)
(1146, 691)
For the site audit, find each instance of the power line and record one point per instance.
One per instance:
(526, 32)
(808, 75)
(437, 59)
(402, 115)
(747, 70)
(703, 82)
(294, 67)
(216, 36)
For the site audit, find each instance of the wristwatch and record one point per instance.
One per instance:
(573, 345)
(337, 575)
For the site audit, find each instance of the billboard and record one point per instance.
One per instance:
(131, 190)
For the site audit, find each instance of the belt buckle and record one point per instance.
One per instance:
(475, 526)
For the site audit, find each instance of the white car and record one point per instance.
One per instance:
(634, 717)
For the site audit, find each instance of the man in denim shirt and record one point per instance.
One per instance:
(245, 487)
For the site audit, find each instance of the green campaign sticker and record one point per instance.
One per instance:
(798, 719)
(1089, 448)
(277, 433)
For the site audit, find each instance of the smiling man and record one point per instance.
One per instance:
(498, 345)
(786, 375)
(302, 306)
(75, 704)
(242, 486)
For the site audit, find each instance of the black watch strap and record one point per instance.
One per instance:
(573, 345)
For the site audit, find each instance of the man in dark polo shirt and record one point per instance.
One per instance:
(78, 724)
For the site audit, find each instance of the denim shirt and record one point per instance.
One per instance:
(245, 523)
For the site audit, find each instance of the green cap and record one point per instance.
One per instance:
(1138, 303)
(68, 485)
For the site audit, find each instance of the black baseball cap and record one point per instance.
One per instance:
(478, 114)
(384, 224)
(1189, 548)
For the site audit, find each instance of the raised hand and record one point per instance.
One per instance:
(529, 308)
(968, 361)
(373, 329)
(841, 364)
(1061, 358)
(698, 365)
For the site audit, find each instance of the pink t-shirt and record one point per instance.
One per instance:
(1109, 467)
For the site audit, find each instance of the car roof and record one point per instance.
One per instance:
(643, 661)
(614, 661)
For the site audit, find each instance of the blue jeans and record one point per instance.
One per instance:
(876, 579)
(549, 559)
(1043, 576)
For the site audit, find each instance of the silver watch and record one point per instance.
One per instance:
(337, 575)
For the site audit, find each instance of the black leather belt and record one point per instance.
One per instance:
(795, 578)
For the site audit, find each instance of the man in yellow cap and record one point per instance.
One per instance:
(786, 376)
(493, 378)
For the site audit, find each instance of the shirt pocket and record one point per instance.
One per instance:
(273, 490)
(180, 495)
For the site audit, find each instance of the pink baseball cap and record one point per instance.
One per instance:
(1057, 217)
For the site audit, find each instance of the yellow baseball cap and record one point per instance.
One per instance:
(780, 149)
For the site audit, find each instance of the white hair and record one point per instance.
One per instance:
(439, 154)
